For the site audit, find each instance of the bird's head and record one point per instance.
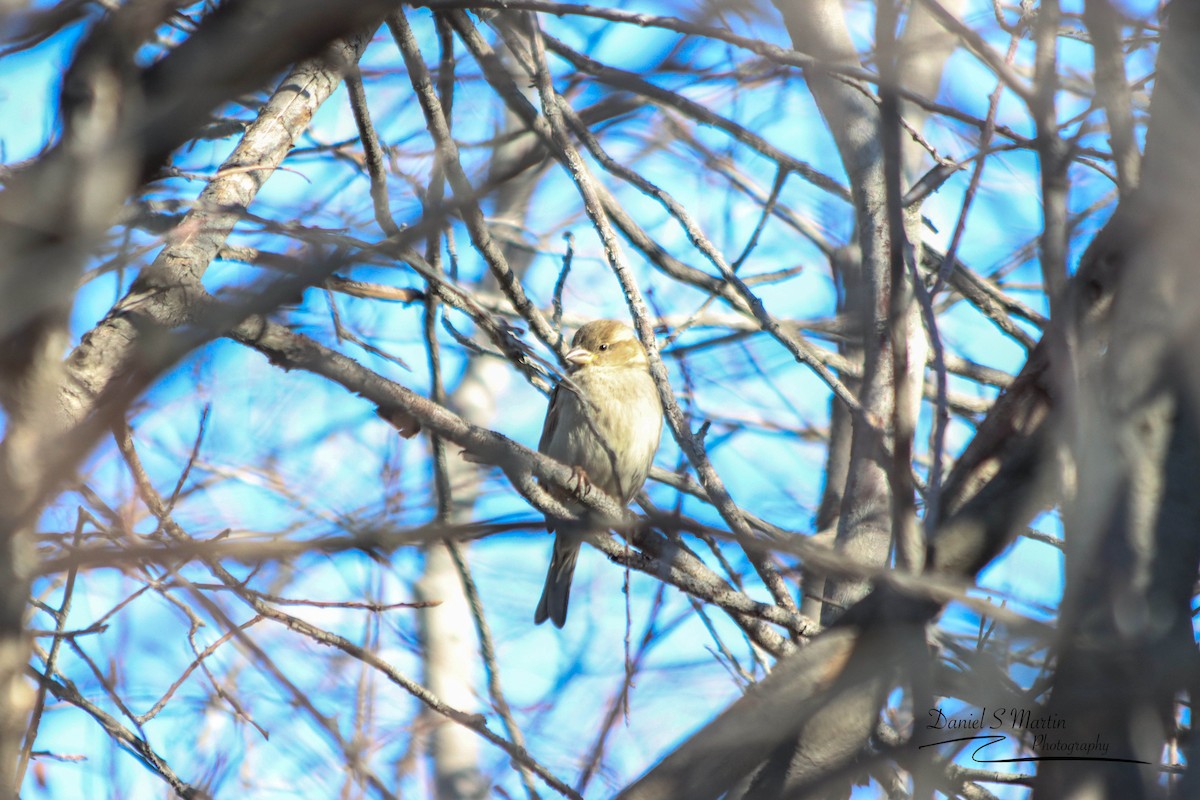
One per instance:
(606, 343)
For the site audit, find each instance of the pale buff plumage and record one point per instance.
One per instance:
(605, 419)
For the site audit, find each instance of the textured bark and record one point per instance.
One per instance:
(818, 28)
(858, 472)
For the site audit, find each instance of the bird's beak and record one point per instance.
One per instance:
(580, 356)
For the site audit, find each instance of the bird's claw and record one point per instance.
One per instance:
(580, 483)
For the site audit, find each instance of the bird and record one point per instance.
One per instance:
(604, 421)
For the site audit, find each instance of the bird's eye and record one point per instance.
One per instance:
(603, 347)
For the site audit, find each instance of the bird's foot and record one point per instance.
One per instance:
(580, 483)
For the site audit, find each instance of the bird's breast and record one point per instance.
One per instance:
(610, 425)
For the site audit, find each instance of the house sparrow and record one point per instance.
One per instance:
(605, 420)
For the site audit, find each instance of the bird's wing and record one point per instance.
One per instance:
(553, 415)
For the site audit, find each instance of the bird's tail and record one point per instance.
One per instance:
(557, 592)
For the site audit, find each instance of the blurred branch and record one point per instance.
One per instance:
(979, 46)
(473, 216)
(1112, 87)
(66, 691)
(622, 79)
(982, 509)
